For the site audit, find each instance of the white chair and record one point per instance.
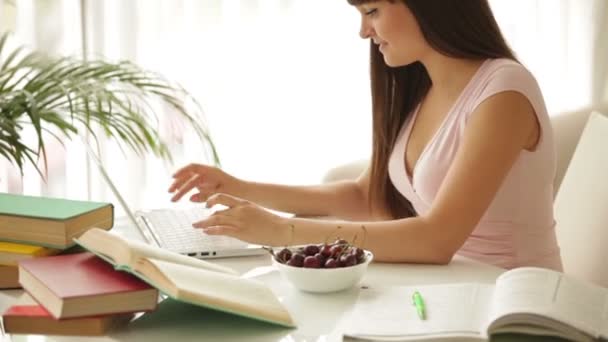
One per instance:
(567, 129)
(581, 205)
(346, 171)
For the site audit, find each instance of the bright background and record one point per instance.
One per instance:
(284, 83)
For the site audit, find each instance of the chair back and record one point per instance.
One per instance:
(567, 128)
(581, 205)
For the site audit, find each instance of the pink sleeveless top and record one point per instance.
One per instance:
(518, 227)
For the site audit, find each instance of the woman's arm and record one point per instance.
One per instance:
(496, 133)
(344, 199)
(499, 129)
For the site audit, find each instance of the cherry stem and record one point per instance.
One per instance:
(269, 249)
(292, 233)
(332, 233)
(364, 236)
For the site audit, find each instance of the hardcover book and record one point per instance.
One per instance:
(28, 317)
(12, 253)
(50, 222)
(81, 284)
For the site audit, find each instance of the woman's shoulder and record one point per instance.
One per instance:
(504, 70)
(502, 74)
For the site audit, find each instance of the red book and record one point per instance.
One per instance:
(77, 285)
(34, 319)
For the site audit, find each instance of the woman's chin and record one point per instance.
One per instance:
(391, 62)
(395, 63)
(388, 63)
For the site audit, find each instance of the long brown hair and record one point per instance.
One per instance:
(455, 28)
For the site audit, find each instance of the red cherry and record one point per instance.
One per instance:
(335, 250)
(326, 250)
(311, 250)
(297, 260)
(311, 262)
(360, 255)
(347, 260)
(321, 259)
(331, 263)
(283, 256)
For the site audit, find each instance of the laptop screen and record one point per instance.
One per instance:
(130, 214)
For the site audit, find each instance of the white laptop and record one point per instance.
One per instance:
(172, 229)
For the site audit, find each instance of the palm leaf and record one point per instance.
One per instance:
(69, 96)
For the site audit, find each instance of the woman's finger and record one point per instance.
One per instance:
(224, 199)
(226, 212)
(221, 230)
(179, 182)
(218, 218)
(185, 187)
(199, 197)
(189, 169)
(205, 190)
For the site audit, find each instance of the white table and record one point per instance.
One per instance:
(315, 314)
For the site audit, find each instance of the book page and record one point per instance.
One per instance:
(126, 252)
(141, 249)
(551, 295)
(226, 292)
(451, 310)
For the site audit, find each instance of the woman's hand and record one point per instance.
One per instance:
(208, 180)
(245, 221)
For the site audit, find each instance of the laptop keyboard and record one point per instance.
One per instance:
(173, 228)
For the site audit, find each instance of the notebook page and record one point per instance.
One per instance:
(549, 293)
(451, 309)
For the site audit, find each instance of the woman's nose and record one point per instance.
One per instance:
(365, 31)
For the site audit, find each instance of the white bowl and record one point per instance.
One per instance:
(321, 280)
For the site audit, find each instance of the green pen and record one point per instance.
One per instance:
(419, 304)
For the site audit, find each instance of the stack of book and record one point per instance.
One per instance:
(32, 227)
(88, 296)
(110, 279)
(117, 277)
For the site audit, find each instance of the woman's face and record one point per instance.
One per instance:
(394, 28)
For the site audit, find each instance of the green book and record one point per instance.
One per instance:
(50, 222)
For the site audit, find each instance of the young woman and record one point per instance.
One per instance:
(463, 158)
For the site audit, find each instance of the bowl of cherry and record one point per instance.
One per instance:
(322, 267)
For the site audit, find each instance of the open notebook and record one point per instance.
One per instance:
(528, 300)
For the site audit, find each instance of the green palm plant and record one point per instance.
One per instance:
(68, 96)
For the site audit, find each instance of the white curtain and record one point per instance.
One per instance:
(284, 83)
(560, 41)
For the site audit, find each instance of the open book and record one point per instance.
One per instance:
(524, 300)
(187, 279)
